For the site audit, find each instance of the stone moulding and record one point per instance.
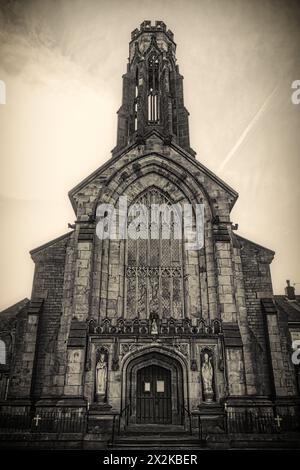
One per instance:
(142, 327)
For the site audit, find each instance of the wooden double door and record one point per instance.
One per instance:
(154, 396)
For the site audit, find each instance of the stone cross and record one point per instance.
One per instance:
(37, 418)
(278, 420)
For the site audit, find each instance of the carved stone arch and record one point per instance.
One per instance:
(149, 188)
(139, 183)
(153, 47)
(151, 172)
(102, 349)
(207, 348)
(114, 187)
(140, 351)
(216, 326)
(158, 355)
(92, 325)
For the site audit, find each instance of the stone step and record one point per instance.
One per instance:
(155, 430)
(158, 443)
(162, 446)
(170, 438)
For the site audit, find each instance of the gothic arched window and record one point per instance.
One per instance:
(154, 260)
(2, 352)
(136, 98)
(153, 89)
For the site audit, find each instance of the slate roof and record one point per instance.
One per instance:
(12, 311)
(290, 307)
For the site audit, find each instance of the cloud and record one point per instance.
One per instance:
(42, 42)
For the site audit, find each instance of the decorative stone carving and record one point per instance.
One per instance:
(166, 326)
(129, 347)
(154, 328)
(115, 364)
(104, 347)
(183, 348)
(101, 374)
(207, 374)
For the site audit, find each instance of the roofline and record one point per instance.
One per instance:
(256, 244)
(25, 300)
(51, 242)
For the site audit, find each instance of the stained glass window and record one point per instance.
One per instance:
(154, 268)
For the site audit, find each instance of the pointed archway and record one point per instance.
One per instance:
(155, 386)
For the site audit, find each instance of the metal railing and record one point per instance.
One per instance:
(124, 413)
(46, 422)
(17, 422)
(247, 422)
(186, 412)
(235, 422)
(113, 431)
(260, 423)
(200, 433)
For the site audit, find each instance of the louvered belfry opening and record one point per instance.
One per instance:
(153, 87)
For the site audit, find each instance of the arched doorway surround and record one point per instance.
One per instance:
(154, 385)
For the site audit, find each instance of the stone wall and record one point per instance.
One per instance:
(19, 384)
(257, 284)
(48, 285)
(288, 366)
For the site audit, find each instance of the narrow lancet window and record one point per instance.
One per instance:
(2, 352)
(136, 99)
(153, 90)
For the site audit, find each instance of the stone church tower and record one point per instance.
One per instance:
(146, 325)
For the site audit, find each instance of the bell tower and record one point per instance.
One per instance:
(152, 90)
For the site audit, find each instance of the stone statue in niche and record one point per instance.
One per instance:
(101, 377)
(207, 373)
(153, 323)
(154, 328)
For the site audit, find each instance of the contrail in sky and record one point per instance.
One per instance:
(248, 128)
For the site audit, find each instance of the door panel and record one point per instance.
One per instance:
(154, 404)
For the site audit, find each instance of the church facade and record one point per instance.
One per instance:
(144, 330)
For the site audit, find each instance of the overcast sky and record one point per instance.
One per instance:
(62, 62)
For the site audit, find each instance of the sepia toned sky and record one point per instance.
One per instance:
(62, 62)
